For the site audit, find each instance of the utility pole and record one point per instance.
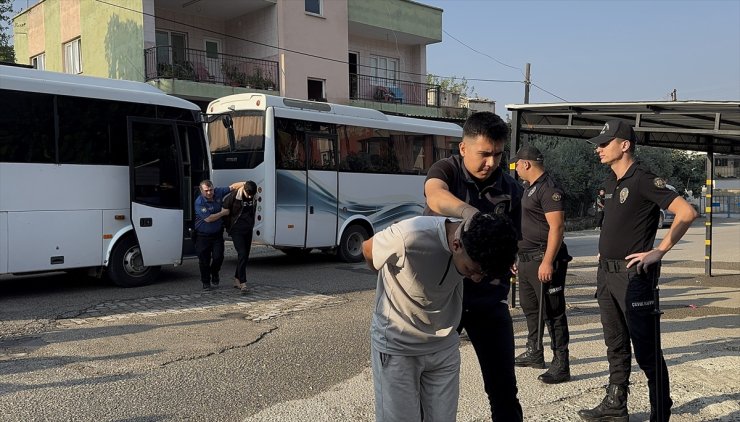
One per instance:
(527, 82)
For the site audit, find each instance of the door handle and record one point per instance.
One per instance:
(145, 222)
(310, 209)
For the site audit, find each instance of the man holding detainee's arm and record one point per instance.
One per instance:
(421, 263)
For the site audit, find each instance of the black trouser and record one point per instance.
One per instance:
(491, 332)
(210, 250)
(599, 218)
(626, 303)
(243, 244)
(554, 306)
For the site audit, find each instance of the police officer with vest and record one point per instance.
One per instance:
(543, 264)
(209, 231)
(629, 267)
(460, 186)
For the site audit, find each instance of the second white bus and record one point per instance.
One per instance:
(328, 175)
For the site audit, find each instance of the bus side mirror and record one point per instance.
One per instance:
(229, 125)
(227, 121)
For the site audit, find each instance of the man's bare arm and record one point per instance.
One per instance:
(443, 202)
(367, 252)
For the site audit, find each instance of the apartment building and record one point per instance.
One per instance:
(358, 52)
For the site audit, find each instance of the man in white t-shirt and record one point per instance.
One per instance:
(421, 263)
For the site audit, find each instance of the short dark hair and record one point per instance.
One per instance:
(207, 183)
(486, 124)
(491, 241)
(250, 187)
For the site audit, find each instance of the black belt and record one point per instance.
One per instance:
(613, 265)
(531, 256)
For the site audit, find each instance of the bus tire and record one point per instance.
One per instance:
(126, 267)
(350, 246)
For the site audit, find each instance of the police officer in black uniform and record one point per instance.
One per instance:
(629, 267)
(543, 264)
(460, 186)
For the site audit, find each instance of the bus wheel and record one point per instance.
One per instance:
(350, 247)
(126, 266)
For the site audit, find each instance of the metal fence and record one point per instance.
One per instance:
(722, 204)
(371, 88)
(217, 68)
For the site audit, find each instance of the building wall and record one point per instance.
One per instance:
(259, 26)
(111, 37)
(322, 36)
(412, 64)
(400, 16)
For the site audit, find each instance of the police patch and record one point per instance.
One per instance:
(204, 209)
(500, 209)
(659, 182)
(556, 197)
(623, 194)
(531, 191)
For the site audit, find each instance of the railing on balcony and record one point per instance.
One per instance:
(371, 88)
(216, 68)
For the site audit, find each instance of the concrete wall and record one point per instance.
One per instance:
(322, 36)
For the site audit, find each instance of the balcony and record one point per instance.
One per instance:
(371, 88)
(167, 62)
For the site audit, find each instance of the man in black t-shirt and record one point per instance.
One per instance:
(629, 267)
(543, 264)
(460, 186)
(599, 208)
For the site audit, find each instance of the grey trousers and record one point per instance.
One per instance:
(406, 386)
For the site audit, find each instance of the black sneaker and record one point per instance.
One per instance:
(206, 286)
(215, 280)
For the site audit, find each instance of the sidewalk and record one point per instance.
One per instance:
(701, 343)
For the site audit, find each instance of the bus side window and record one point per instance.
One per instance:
(26, 127)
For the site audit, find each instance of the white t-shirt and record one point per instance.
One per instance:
(418, 300)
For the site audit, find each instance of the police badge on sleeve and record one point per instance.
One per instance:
(659, 183)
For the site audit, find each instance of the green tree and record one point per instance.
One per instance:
(452, 84)
(7, 54)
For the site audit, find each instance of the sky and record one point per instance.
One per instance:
(591, 51)
(587, 50)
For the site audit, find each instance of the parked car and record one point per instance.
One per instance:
(666, 217)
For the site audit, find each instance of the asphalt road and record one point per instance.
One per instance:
(74, 348)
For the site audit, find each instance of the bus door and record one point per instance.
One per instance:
(321, 187)
(156, 175)
(195, 169)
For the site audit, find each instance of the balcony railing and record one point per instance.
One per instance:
(371, 88)
(217, 68)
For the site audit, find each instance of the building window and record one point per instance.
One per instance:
(72, 57)
(39, 62)
(316, 90)
(171, 47)
(314, 7)
(385, 69)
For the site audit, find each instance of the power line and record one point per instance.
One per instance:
(501, 63)
(482, 53)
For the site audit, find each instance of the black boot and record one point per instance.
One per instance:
(531, 357)
(559, 370)
(613, 408)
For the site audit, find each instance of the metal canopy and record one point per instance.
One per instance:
(708, 126)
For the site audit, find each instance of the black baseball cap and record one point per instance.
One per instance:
(531, 153)
(615, 129)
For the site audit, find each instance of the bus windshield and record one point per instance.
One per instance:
(249, 142)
